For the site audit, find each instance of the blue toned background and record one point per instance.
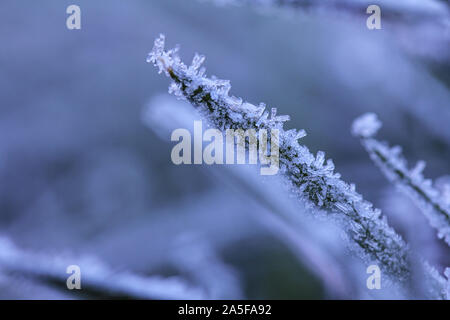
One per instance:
(85, 180)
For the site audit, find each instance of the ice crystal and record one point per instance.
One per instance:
(311, 177)
(447, 287)
(366, 126)
(433, 203)
(438, 286)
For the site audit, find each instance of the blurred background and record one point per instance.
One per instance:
(84, 175)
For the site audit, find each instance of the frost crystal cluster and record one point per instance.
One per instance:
(428, 198)
(311, 177)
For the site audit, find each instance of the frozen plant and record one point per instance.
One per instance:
(400, 9)
(311, 177)
(96, 278)
(312, 242)
(199, 259)
(409, 21)
(390, 160)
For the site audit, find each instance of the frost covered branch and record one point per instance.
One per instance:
(395, 10)
(97, 279)
(410, 181)
(409, 21)
(275, 211)
(310, 178)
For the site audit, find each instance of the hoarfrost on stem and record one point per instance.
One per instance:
(97, 277)
(432, 202)
(311, 177)
(366, 126)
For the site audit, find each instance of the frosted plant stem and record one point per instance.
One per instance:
(314, 182)
(409, 181)
(426, 10)
(311, 248)
(97, 279)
